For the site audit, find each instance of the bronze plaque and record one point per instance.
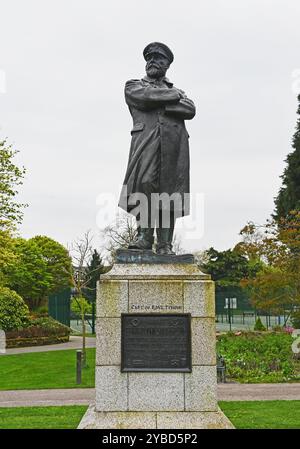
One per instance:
(156, 342)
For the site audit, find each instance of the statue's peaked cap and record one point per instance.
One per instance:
(158, 47)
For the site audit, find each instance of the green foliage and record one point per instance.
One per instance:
(228, 267)
(41, 327)
(29, 275)
(276, 286)
(11, 177)
(80, 306)
(42, 267)
(288, 198)
(42, 311)
(14, 312)
(94, 269)
(278, 328)
(295, 319)
(253, 357)
(57, 259)
(7, 254)
(259, 325)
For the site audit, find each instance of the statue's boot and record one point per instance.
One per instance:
(164, 241)
(144, 239)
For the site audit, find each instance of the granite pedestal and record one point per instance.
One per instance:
(151, 400)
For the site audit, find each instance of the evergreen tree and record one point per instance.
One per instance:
(94, 269)
(288, 198)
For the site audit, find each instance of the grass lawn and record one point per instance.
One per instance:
(41, 417)
(244, 415)
(38, 370)
(263, 414)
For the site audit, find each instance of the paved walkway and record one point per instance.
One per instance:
(31, 398)
(84, 396)
(258, 392)
(74, 343)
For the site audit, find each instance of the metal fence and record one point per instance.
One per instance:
(234, 311)
(59, 306)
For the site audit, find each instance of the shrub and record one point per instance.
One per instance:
(259, 325)
(295, 319)
(277, 328)
(14, 313)
(41, 327)
(259, 357)
(42, 311)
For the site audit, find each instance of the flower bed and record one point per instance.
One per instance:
(40, 331)
(253, 357)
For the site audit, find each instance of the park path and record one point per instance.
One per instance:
(258, 392)
(74, 343)
(84, 396)
(35, 398)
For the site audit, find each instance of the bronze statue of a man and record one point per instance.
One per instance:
(157, 176)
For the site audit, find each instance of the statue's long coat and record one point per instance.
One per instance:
(159, 145)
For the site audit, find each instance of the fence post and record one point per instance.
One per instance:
(229, 313)
(93, 316)
(78, 366)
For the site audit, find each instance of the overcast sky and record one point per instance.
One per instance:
(66, 62)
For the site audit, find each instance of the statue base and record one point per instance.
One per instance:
(154, 420)
(148, 256)
(176, 386)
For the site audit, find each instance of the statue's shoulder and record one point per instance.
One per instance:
(133, 82)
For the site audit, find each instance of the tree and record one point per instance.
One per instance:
(122, 232)
(42, 266)
(288, 198)
(58, 262)
(276, 286)
(259, 325)
(228, 267)
(94, 269)
(28, 276)
(119, 235)
(177, 245)
(7, 254)
(81, 252)
(81, 307)
(11, 213)
(201, 257)
(11, 177)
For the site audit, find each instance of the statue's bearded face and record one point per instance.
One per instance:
(157, 65)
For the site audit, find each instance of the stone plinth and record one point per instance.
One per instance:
(155, 399)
